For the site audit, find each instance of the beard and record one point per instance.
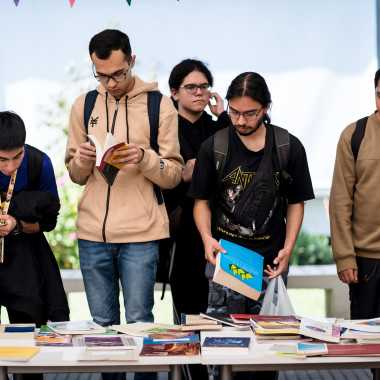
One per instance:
(253, 130)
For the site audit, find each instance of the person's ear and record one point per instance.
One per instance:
(175, 94)
(133, 60)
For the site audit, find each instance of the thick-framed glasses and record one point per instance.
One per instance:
(248, 116)
(193, 88)
(103, 78)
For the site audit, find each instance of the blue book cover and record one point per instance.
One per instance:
(224, 342)
(243, 265)
(194, 338)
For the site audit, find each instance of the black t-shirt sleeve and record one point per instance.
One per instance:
(204, 180)
(301, 188)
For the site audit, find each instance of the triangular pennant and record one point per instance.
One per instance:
(129, 2)
(72, 3)
(16, 2)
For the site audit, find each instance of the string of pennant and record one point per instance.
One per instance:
(71, 2)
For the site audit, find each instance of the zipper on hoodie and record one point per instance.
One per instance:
(109, 187)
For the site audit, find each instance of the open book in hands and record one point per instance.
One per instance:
(105, 156)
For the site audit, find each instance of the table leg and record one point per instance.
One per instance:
(376, 374)
(175, 372)
(3, 373)
(225, 372)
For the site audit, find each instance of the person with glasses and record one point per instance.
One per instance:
(118, 226)
(190, 83)
(354, 217)
(249, 102)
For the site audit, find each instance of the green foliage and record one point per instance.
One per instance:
(311, 250)
(63, 239)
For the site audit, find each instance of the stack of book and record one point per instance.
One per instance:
(275, 326)
(198, 322)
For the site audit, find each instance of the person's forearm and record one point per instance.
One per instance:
(30, 228)
(294, 219)
(202, 217)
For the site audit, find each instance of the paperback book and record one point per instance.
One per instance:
(108, 355)
(353, 349)
(283, 351)
(17, 335)
(18, 354)
(319, 329)
(311, 349)
(170, 349)
(104, 342)
(193, 338)
(225, 319)
(275, 324)
(105, 156)
(240, 269)
(76, 327)
(239, 344)
(52, 339)
(197, 322)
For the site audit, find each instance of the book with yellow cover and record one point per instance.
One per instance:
(18, 354)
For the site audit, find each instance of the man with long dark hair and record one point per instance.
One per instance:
(251, 150)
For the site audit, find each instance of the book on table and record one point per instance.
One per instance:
(368, 325)
(353, 349)
(76, 327)
(17, 335)
(320, 328)
(312, 349)
(241, 318)
(171, 349)
(225, 319)
(53, 339)
(192, 338)
(280, 350)
(240, 269)
(355, 334)
(105, 156)
(226, 343)
(107, 342)
(108, 355)
(275, 324)
(152, 330)
(18, 354)
(197, 322)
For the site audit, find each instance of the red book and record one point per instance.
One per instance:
(353, 349)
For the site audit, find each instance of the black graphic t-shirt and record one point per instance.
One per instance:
(240, 168)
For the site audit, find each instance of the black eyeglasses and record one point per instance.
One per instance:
(248, 116)
(193, 88)
(103, 78)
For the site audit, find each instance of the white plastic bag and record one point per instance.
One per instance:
(276, 299)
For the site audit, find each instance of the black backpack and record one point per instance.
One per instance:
(358, 136)
(260, 198)
(154, 101)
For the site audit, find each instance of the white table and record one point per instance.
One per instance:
(64, 361)
(254, 361)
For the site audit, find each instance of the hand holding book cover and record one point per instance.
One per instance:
(105, 156)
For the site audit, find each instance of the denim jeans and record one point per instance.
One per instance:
(135, 264)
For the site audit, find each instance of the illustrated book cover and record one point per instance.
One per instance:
(197, 322)
(105, 156)
(368, 325)
(224, 343)
(107, 342)
(193, 338)
(76, 327)
(283, 351)
(18, 354)
(225, 319)
(320, 329)
(312, 349)
(170, 349)
(240, 269)
(275, 324)
(53, 339)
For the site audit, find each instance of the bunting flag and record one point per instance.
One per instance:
(71, 2)
(16, 2)
(129, 2)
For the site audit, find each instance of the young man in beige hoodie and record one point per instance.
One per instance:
(355, 217)
(118, 226)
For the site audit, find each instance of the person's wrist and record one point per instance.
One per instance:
(18, 228)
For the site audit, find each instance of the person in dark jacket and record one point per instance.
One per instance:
(31, 287)
(190, 83)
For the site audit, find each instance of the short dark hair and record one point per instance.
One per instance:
(377, 77)
(12, 131)
(183, 69)
(103, 43)
(252, 85)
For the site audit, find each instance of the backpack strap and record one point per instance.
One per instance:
(281, 137)
(35, 161)
(154, 101)
(358, 136)
(221, 142)
(89, 104)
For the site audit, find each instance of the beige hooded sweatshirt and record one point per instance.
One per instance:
(128, 210)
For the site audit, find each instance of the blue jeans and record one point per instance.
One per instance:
(103, 264)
